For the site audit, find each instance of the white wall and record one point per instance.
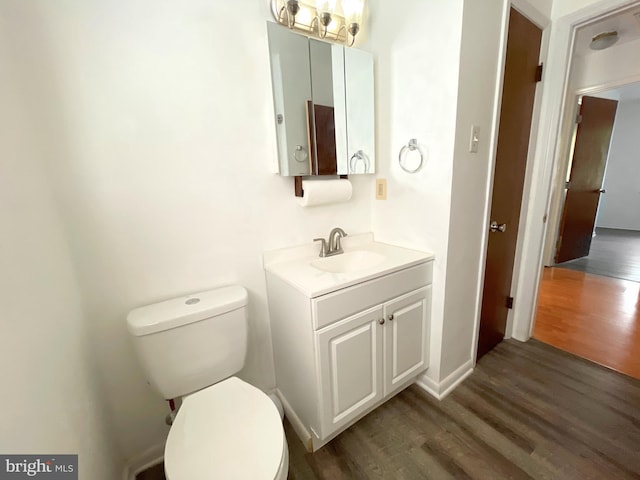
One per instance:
(619, 206)
(538, 11)
(161, 128)
(51, 399)
(615, 65)
(480, 73)
(416, 89)
(560, 8)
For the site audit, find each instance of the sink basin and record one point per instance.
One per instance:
(353, 261)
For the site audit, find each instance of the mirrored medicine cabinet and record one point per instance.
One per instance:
(323, 97)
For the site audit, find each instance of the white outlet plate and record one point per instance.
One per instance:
(381, 189)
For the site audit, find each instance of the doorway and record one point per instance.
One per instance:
(613, 229)
(588, 300)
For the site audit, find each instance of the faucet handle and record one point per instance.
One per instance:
(323, 246)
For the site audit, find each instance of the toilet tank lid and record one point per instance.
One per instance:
(180, 311)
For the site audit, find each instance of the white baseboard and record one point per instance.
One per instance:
(150, 457)
(446, 386)
(428, 385)
(296, 423)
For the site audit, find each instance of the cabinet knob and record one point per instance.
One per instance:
(390, 317)
(381, 321)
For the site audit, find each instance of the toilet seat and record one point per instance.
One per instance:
(230, 430)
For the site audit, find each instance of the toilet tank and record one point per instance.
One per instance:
(189, 343)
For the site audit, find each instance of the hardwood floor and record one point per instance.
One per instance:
(595, 317)
(528, 411)
(614, 253)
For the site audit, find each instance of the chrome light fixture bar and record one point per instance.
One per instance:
(336, 20)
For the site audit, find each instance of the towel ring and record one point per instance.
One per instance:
(299, 155)
(412, 146)
(359, 156)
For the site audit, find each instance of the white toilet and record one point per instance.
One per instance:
(227, 429)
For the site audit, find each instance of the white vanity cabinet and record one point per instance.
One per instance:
(341, 353)
(370, 356)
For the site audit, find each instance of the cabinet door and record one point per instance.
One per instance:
(360, 94)
(350, 368)
(406, 338)
(291, 84)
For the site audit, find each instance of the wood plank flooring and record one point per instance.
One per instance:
(528, 411)
(592, 316)
(614, 253)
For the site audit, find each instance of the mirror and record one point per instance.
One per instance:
(324, 105)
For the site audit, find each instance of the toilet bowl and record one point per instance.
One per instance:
(230, 430)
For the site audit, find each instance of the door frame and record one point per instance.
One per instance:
(549, 147)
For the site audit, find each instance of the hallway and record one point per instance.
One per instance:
(594, 317)
(613, 253)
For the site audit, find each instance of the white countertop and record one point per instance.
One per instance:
(294, 265)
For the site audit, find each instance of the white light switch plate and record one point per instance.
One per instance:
(474, 140)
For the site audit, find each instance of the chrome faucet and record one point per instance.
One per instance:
(334, 241)
(332, 246)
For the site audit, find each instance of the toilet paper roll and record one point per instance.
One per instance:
(323, 192)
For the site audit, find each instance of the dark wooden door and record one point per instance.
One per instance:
(523, 53)
(325, 140)
(583, 191)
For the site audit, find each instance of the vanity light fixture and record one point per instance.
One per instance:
(324, 13)
(337, 20)
(603, 40)
(287, 13)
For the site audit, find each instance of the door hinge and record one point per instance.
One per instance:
(567, 185)
(509, 302)
(578, 118)
(539, 72)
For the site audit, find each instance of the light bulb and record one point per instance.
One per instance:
(325, 6)
(352, 10)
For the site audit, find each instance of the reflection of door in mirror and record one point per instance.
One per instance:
(327, 90)
(291, 79)
(325, 140)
